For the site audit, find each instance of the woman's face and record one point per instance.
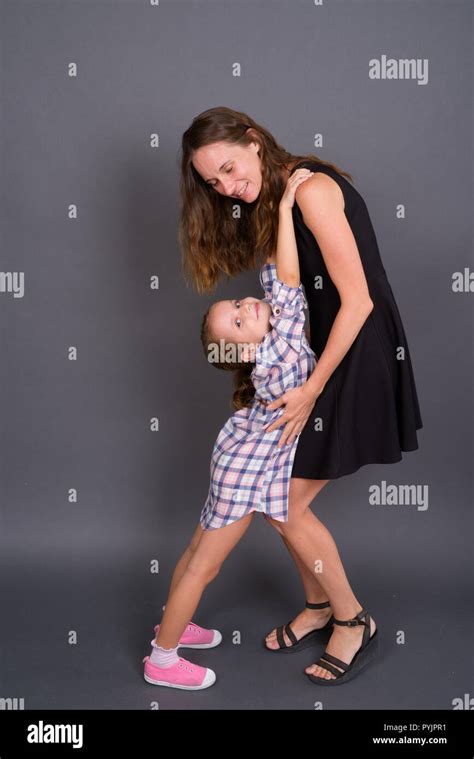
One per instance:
(230, 169)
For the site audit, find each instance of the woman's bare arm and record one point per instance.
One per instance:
(321, 204)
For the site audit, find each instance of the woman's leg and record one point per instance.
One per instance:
(313, 590)
(308, 619)
(204, 565)
(314, 544)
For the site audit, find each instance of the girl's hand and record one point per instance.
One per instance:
(299, 176)
(299, 402)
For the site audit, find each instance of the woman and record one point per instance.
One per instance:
(360, 404)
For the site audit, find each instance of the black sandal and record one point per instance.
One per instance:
(307, 640)
(361, 658)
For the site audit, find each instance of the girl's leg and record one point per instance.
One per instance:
(313, 542)
(213, 548)
(185, 558)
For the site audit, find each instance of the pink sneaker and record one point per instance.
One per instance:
(184, 674)
(197, 637)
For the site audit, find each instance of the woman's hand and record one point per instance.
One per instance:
(299, 176)
(299, 402)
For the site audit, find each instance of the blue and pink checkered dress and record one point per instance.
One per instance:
(248, 471)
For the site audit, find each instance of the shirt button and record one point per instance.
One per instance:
(277, 310)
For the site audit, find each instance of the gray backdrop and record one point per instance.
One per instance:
(79, 594)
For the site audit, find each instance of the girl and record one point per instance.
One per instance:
(249, 470)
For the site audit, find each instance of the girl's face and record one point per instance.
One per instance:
(232, 170)
(240, 321)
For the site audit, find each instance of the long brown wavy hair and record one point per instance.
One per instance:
(244, 389)
(212, 242)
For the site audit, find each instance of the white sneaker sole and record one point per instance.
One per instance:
(209, 679)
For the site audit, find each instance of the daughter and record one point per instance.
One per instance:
(249, 470)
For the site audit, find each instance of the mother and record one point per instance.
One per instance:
(360, 405)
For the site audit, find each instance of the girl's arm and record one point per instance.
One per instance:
(286, 257)
(287, 264)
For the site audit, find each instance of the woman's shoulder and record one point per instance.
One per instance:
(345, 189)
(321, 168)
(310, 163)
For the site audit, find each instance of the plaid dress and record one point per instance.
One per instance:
(247, 471)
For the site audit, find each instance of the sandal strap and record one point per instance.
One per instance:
(322, 605)
(289, 632)
(325, 665)
(280, 638)
(357, 620)
(344, 665)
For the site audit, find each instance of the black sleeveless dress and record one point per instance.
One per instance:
(368, 411)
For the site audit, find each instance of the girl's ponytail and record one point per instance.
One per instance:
(244, 387)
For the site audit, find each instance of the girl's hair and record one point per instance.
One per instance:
(212, 241)
(244, 389)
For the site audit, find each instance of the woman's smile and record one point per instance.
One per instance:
(242, 191)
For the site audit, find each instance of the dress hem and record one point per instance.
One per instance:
(354, 469)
